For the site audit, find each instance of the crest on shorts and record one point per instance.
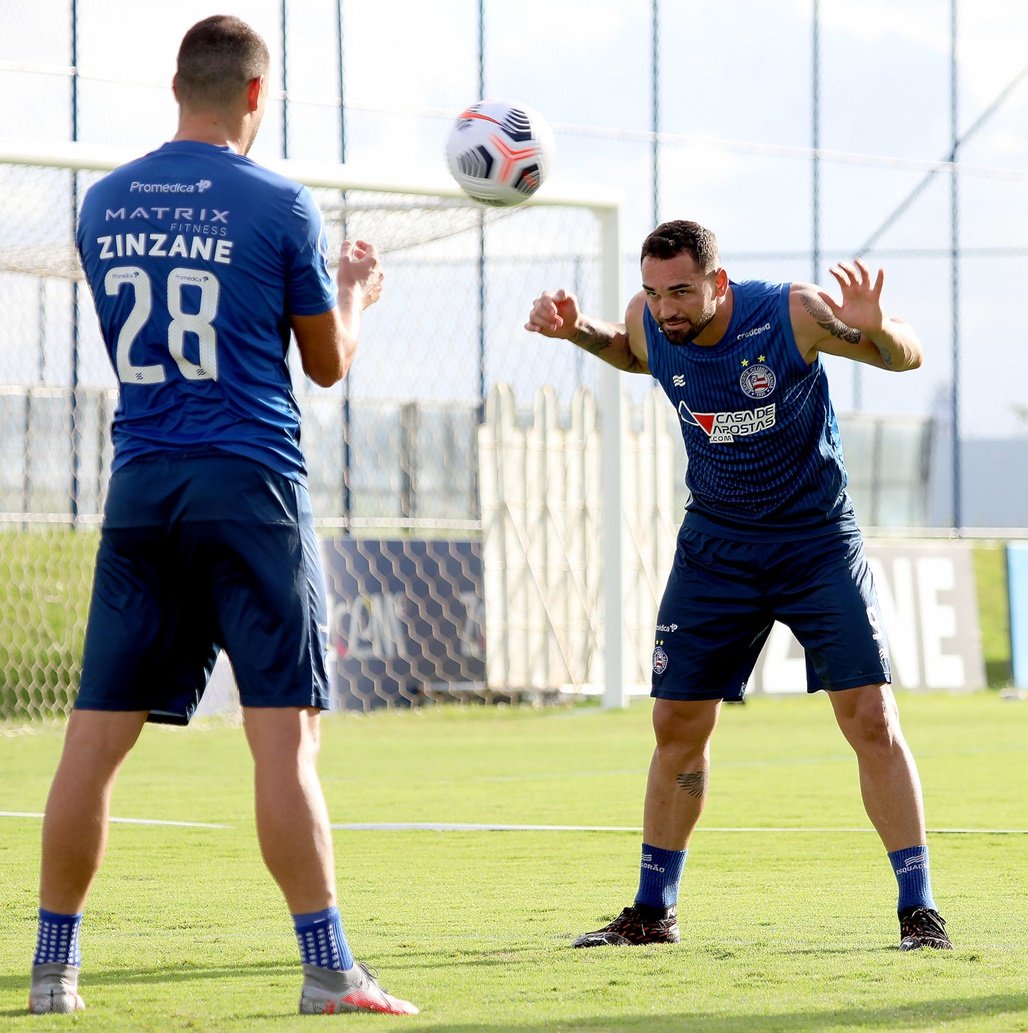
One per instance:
(659, 661)
(758, 380)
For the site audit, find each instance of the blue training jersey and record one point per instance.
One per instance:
(763, 446)
(197, 257)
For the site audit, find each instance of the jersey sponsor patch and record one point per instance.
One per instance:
(724, 427)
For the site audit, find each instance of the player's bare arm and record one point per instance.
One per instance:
(622, 345)
(328, 341)
(855, 328)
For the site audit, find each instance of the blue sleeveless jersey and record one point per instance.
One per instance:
(763, 446)
(196, 258)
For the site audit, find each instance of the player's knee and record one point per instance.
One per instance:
(683, 724)
(311, 733)
(99, 739)
(872, 719)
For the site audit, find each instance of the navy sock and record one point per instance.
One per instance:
(915, 884)
(58, 939)
(660, 872)
(322, 941)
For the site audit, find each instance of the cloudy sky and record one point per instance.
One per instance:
(735, 103)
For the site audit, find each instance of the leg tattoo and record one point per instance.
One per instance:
(693, 782)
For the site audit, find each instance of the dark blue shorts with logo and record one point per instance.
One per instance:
(197, 554)
(723, 596)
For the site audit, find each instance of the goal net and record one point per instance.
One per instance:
(457, 567)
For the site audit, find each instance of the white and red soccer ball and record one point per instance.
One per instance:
(498, 152)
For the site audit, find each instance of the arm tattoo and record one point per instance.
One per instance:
(598, 339)
(693, 782)
(591, 339)
(823, 317)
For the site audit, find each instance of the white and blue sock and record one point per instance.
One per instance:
(660, 872)
(915, 884)
(322, 941)
(58, 939)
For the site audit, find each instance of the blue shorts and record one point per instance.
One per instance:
(722, 597)
(198, 554)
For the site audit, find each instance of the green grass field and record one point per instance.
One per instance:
(990, 567)
(787, 910)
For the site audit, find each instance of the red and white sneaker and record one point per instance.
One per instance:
(327, 992)
(55, 989)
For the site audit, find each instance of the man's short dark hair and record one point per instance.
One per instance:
(679, 236)
(216, 59)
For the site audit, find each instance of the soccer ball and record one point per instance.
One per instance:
(499, 153)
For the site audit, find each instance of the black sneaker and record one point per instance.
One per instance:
(923, 927)
(635, 925)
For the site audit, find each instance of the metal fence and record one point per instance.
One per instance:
(784, 166)
(392, 451)
(390, 476)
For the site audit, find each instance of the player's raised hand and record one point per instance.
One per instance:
(861, 306)
(554, 314)
(360, 270)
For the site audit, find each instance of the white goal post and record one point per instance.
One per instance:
(406, 216)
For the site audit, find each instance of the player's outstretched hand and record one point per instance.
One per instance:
(360, 270)
(861, 306)
(554, 314)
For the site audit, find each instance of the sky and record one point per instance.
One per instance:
(735, 111)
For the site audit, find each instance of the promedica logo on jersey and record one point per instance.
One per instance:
(170, 188)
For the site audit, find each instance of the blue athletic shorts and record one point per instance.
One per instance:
(722, 597)
(198, 554)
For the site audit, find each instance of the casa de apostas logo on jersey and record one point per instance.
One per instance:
(757, 381)
(724, 427)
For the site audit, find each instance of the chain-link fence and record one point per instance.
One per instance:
(782, 163)
(393, 453)
(395, 457)
(924, 169)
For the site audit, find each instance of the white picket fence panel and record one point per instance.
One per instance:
(540, 490)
